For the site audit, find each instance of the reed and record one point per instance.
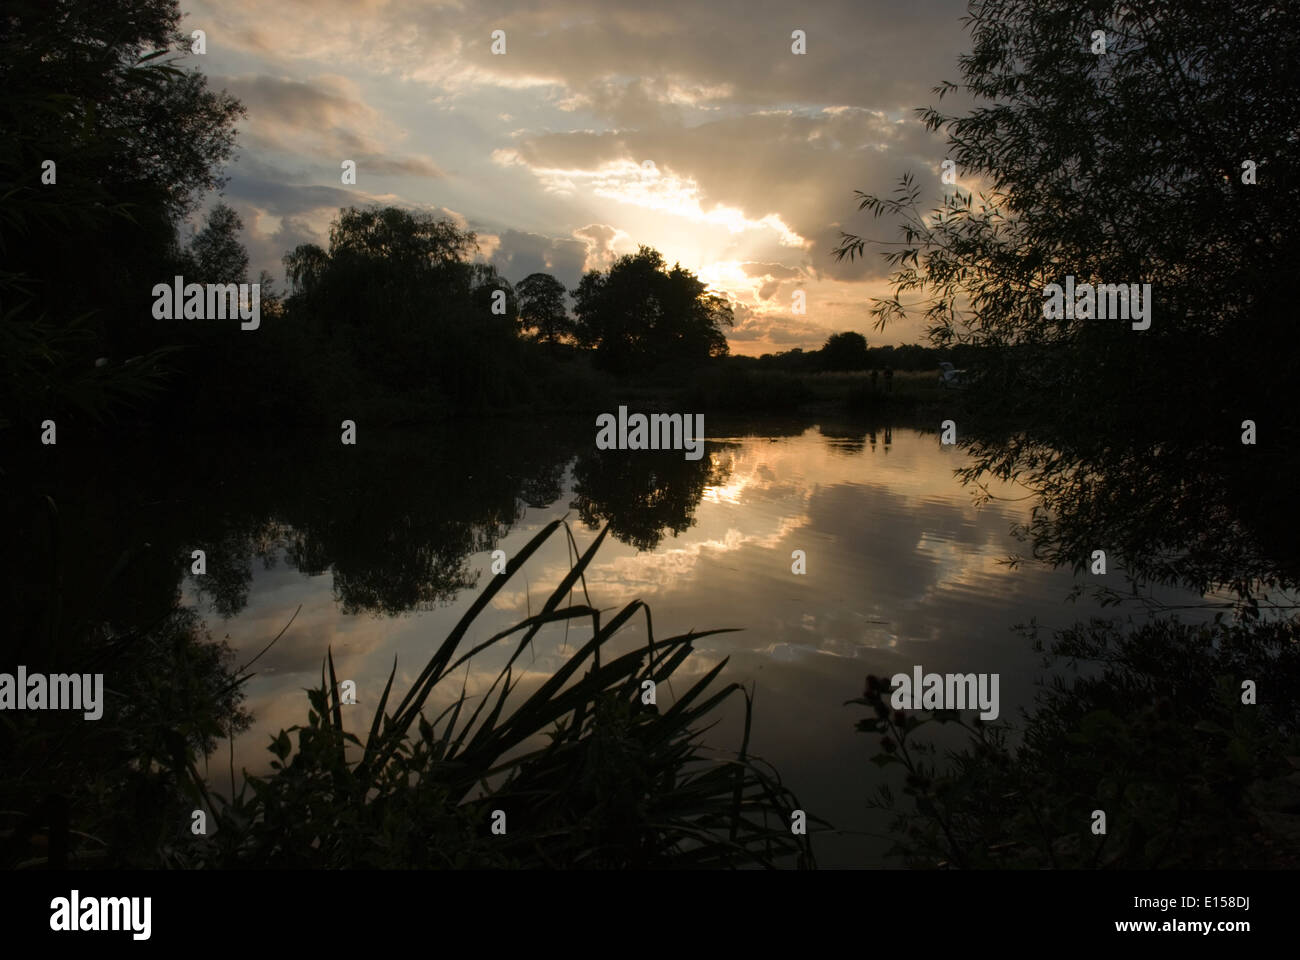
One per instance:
(587, 774)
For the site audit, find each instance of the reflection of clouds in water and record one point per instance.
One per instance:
(902, 568)
(316, 627)
(878, 541)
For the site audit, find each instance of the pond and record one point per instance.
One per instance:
(384, 545)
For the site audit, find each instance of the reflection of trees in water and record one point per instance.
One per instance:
(395, 523)
(642, 494)
(229, 574)
(848, 438)
(1176, 514)
(1161, 733)
(1155, 736)
(395, 527)
(852, 438)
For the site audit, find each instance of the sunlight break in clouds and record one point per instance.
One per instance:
(647, 186)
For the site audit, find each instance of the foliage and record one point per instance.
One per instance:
(215, 255)
(1155, 734)
(542, 307)
(845, 351)
(639, 313)
(117, 791)
(136, 141)
(734, 388)
(1128, 435)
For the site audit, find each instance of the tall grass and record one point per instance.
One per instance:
(616, 783)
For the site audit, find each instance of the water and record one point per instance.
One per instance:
(384, 546)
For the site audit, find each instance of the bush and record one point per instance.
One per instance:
(1156, 736)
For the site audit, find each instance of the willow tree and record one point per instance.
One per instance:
(1144, 142)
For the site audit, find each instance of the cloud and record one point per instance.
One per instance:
(518, 254)
(288, 198)
(324, 117)
(732, 51)
(600, 240)
(777, 270)
(756, 152)
(278, 215)
(781, 331)
(786, 175)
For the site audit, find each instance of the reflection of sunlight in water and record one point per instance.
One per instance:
(730, 493)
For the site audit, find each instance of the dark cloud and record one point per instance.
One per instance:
(784, 330)
(287, 199)
(876, 53)
(520, 254)
(730, 52)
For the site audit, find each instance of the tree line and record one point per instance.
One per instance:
(112, 145)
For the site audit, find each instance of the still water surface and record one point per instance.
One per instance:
(903, 568)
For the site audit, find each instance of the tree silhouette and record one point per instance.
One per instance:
(1128, 166)
(845, 351)
(401, 302)
(642, 495)
(542, 307)
(136, 142)
(638, 313)
(216, 255)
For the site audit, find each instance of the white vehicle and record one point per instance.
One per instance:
(950, 378)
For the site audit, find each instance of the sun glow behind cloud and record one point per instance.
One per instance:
(544, 147)
(647, 186)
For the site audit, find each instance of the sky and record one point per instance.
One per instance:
(688, 126)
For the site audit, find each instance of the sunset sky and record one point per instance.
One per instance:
(689, 127)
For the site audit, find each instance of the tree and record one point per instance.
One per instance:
(691, 324)
(136, 142)
(542, 307)
(845, 351)
(640, 313)
(385, 268)
(400, 239)
(304, 267)
(1125, 167)
(216, 253)
(400, 304)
